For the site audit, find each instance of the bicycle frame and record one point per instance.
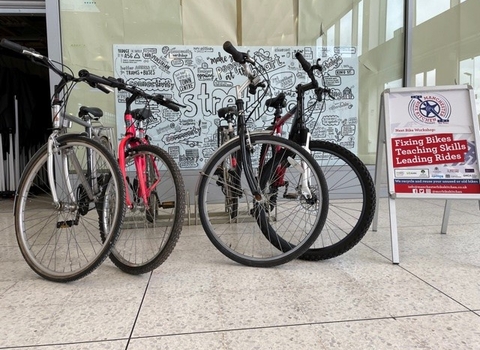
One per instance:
(243, 133)
(135, 137)
(277, 129)
(245, 144)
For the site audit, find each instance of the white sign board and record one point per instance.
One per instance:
(431, 136)
(203, 79)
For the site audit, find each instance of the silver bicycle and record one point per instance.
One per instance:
(70, 187)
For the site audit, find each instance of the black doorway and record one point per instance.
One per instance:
(24, 97)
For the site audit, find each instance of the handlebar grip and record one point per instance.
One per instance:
(21, 49)
(13, 46)
(102, 88)
(305, 65)
(160, 99)
(92, 78)
(116, 82)
(236, 55)
(171, 106)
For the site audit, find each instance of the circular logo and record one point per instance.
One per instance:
(429, 109)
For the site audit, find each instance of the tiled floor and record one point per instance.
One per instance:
(198, 299)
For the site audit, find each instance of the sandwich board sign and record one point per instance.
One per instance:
(431, 136)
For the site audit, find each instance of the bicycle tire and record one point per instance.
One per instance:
(149, 235)
(352, 201)
(243, 239)
(65, 244)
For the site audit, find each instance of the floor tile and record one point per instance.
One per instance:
(201, 299)
(447, 331)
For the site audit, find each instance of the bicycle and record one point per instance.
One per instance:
(155, 192)
(350, 185)
(70, 185)
(245, 231)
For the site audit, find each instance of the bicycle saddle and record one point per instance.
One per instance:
(226, 111)
(92, 112)
(278, 101)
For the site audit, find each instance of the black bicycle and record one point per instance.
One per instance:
(234, 194)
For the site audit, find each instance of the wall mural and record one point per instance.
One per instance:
(204, 77)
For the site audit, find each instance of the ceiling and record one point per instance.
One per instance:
(26, 30)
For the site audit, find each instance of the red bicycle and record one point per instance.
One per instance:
(350, 186)
(155, 192)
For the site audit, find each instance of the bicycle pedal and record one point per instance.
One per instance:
(167, 205)
(290, 196)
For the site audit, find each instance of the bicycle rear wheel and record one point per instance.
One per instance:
(351, 201)
(247, 238)
(64, 243)
(150, 230)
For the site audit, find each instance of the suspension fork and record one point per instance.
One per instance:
(62, 162)
(122, 147)
(67, 156)
(140, 169)
(143, 172)
(305, 136)
(305, 176)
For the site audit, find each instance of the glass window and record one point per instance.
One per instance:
(428, 9)
(447, 54)
(394, 18)
(346, 29)
(371, 28)
(359, 33)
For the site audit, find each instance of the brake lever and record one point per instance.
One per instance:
(99, 86)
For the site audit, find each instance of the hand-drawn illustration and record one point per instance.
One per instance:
(203, 79)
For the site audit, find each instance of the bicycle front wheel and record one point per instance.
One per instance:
(351, 201)
(249, 237)
(151, 227)
(62, 242)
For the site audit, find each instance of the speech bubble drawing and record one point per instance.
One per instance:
(177, 62)
(283, 80)
(348, 130)
(331, 120)
(333, 80)
(147, 53)
(184, 80)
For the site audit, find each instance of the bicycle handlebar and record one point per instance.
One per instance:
(243, 58)
(309, 69)
(121, 85)
(239, 57)
(20, 49)
(93, 80)
(305, 65)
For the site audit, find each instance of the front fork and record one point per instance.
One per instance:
(140, 168)
(305, 175)
(305, 171)
(61, 159)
